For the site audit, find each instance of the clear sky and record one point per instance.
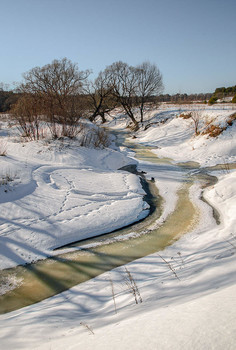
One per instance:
(193, 42)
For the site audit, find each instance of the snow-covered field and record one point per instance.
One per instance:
(188, 290)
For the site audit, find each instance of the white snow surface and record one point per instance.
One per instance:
(60, 193)
(176, 139)
(188, 290)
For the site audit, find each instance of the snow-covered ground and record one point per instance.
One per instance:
(59, 193)
(188, 290)
(175, 138)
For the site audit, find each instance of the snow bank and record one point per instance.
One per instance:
(176, 139)
(188, 290)
(223, 196)
(195, 311)
(57, 193)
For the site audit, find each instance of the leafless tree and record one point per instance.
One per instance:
(122, 81)
(57, 86)
(134, 86)
(100, 97)
(149, 83)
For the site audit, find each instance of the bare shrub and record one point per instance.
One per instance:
(195, 116)
(26, 114)
(6, 178)
(86, 139)
(31, 122)
(101, 138)
(97, 138)
(59, 131)
(71, 131)
(55, 130)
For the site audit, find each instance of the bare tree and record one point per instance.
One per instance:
(149, 83)
(100, 97)
(134, 86)
(122, 81)
(57, 86)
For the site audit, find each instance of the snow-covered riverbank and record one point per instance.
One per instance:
(60, 193)
(188, 290)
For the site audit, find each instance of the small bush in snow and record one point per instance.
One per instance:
(25, 112)
(59, 131)
(101, 139)
(195, 116)
(6, 178)
(97, 138)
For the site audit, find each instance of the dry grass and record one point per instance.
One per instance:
(231, 119)
(185, 115)
(132, 286)
(214, 130)
(88, 328)
(169, 266)
(113, 295)
(6, 178)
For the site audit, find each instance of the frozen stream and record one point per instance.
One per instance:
(87, 259)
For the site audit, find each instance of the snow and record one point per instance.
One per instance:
(176, 140)
(188, 290)
(61, 194)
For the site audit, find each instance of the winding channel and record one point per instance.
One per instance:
(92, 257)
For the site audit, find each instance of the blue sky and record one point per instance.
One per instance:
(192, 42)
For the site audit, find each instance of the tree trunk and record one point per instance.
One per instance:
(141, 112)
(102, 115)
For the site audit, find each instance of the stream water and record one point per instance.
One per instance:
(92, 257)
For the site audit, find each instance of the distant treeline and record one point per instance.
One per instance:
(183, 98)
(224, 92)
(7, 99)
